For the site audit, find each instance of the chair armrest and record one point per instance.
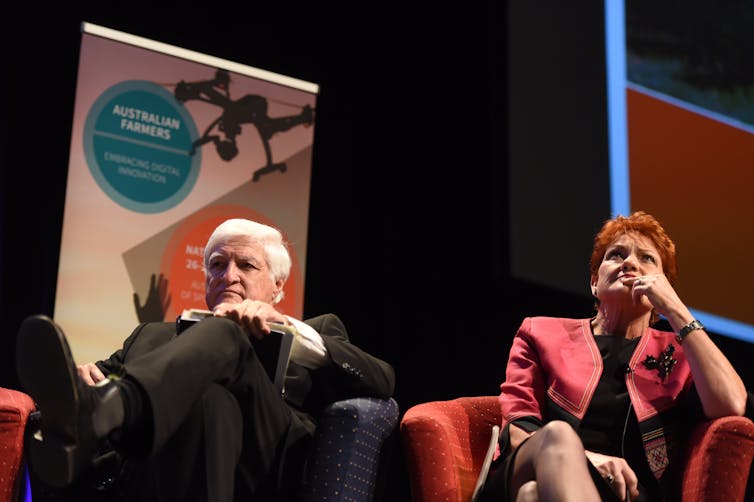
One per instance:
(719, 458)
(445, 444)
(15, 408)
(347, 451)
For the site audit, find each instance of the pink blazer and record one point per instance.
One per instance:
(557, 360)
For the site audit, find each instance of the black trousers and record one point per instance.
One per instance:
(220, 430)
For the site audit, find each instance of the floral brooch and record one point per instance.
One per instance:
(664, 365)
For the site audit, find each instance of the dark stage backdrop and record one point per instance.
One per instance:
(426, 118)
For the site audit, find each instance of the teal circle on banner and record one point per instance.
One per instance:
(137, 144)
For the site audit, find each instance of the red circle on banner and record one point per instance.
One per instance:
(183, 260)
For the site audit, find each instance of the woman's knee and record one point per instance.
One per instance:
(561, 436)
(528, 492)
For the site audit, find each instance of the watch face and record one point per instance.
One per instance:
(692, 326)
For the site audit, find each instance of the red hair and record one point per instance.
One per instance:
(643, 224)
(640, 223)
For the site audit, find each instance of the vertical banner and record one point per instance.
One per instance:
(167, 143)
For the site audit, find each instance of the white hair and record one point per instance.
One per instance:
(275, 248)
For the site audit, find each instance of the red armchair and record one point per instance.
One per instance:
(15, 408)
(445, 443)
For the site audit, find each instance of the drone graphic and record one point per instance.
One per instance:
(249, 109)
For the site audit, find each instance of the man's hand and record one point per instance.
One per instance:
(90, 373)
(252, 315)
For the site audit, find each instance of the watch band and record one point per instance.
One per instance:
(684, 331)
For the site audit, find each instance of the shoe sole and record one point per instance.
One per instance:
(48, 373)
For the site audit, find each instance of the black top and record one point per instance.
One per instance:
(610, 424)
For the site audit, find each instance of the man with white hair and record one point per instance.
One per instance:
(198, 412)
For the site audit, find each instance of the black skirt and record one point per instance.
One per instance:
(497, 485)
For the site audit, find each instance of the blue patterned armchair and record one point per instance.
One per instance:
(350, 450)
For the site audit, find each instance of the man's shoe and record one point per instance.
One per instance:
(66, 441)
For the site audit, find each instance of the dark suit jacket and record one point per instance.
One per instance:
(350, 371)
(217, 352)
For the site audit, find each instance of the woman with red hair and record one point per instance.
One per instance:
(611, 389)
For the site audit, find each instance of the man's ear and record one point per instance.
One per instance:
(277, 295)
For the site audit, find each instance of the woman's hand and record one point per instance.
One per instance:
(659, 292)
(618, 474)
(720, 388)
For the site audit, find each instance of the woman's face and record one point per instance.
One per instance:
(629, 255)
